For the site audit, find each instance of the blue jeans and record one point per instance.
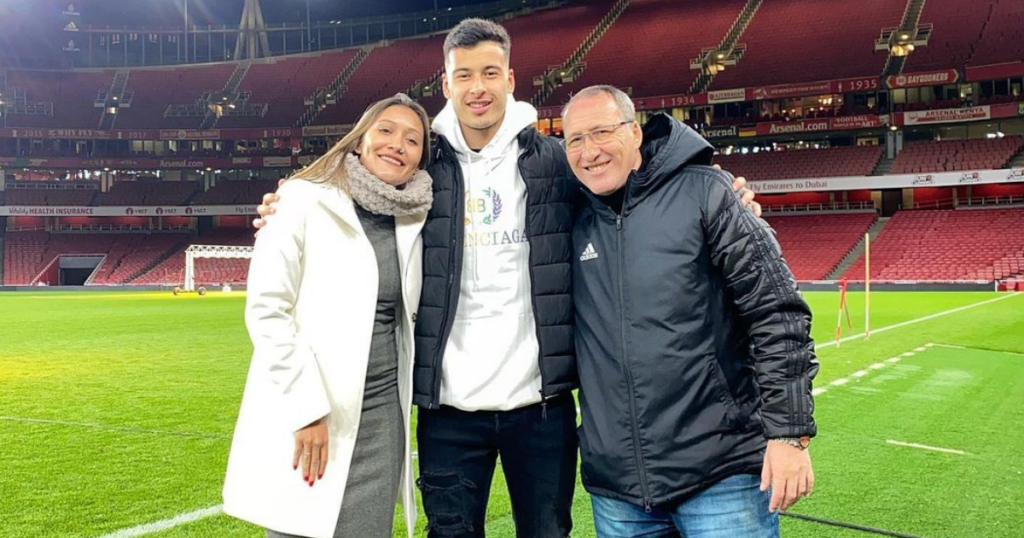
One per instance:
(732, 508)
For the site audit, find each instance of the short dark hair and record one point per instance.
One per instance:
(471, 32)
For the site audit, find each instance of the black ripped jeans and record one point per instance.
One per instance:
(457, 455)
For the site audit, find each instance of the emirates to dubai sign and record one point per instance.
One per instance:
(900, 181)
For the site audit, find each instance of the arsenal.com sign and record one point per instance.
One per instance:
(804, 126)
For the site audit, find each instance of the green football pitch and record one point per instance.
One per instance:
(116, 411)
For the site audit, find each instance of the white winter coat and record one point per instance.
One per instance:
(312, 297)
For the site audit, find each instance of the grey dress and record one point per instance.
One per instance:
(368, 508)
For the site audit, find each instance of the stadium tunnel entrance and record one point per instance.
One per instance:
(74, 270)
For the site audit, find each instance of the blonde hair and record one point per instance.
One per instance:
(331, 166)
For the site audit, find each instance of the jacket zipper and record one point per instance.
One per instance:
(456, 247)
(629, 375)
(533, 296)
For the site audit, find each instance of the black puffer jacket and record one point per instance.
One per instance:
(552, 194)
(692, 340)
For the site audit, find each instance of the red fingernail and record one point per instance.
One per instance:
(310, 483)
(295, 467)
(321, 475)
(305, 477)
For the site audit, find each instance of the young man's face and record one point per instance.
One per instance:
(478, 82)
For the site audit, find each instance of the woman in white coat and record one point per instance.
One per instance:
(321, 448)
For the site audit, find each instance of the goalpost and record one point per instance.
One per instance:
(209, 251)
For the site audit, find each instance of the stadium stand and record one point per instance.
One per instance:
(386, 71)
(955, 155)
(71, 94)
(808, 163)
(155, 90)
(26, 254)
(148, 192)
(813, 245)
(60, 196)
(284, 84)
(536, 48)
(649, 51)
(171, 271)
(1001, 39)
(131, 254)
(234, 192)
(970, 33)
(399, 66)
(976, 244)
(811, 40)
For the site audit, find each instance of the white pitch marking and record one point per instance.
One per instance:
(859, 373)
(929, 344)
(919, 349)
(840, 381)
(926, 447)
(123, 429)
(165, 524)
(893, 360)
(981, 349)
(919, 320)
(907, 354)
(817, 392)
(877, 366)
(180, 519)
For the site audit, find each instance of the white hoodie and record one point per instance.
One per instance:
(490, 362)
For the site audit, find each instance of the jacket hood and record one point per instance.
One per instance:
(518, 116)
(668, 146)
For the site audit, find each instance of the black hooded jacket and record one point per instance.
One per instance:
(693, 342)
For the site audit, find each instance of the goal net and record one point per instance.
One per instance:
(233, 269)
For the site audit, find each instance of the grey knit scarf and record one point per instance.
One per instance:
(378, 197)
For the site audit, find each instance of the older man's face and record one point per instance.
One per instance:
(602, 145)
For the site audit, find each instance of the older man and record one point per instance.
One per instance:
(692, 340)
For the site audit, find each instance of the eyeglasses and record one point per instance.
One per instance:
(601, 135)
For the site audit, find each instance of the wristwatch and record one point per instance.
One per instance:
(795, 442)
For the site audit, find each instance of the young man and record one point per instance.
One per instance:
(693, 343)
(494, 340)
(495, 359)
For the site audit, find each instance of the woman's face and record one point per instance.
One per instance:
(392, 147)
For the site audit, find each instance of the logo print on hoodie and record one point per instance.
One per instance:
(489, 205)
(487, 210)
